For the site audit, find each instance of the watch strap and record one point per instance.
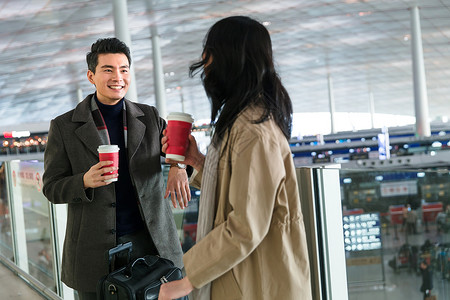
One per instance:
(178, 165)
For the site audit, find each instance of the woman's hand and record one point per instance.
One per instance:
(175, 289)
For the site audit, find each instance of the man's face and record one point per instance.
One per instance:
(111, 78)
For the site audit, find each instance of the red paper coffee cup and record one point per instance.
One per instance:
(179, 127)
(111, 153)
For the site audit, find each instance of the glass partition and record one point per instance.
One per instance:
(32, 229)
(32, 221)
(320, 199)
(393, 221)
(6, 243)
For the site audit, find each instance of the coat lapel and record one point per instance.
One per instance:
(87, 132)
(136, 129)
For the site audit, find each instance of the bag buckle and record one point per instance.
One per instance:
(112, 289)
(164, 279)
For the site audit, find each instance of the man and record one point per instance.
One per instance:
(427, 279)
(103, 214)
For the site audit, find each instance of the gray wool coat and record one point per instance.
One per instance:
(71, 150)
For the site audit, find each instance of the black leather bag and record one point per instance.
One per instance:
(139, 279)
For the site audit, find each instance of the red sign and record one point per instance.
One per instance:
(430, 211)
(396, 212)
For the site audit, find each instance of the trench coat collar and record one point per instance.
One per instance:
(88, 132)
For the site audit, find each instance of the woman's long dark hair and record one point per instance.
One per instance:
(238, 70)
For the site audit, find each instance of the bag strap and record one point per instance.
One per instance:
(150, 261)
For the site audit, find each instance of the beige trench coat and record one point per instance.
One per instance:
(257, 248)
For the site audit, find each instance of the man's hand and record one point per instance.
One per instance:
(178, 187)
(94, 177)
(175, 289)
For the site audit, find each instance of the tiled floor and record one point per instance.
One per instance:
(13, 287)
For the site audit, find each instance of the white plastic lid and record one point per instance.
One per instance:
(108, 148)
(180, 116)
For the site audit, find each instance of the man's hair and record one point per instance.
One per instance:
(105, 46)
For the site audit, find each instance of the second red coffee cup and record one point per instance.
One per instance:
(111, 153)
(179, 127)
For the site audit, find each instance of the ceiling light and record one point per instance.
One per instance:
(436, 144)
(266, 23)
(364, 13)
(406, 37)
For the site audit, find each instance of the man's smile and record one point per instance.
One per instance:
(116, 87)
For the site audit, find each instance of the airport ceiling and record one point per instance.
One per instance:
(363, 45)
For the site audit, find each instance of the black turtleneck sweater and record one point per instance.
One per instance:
(128, 217)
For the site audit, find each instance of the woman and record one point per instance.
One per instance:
(251, 240)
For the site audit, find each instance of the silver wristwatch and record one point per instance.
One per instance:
(178, 165)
